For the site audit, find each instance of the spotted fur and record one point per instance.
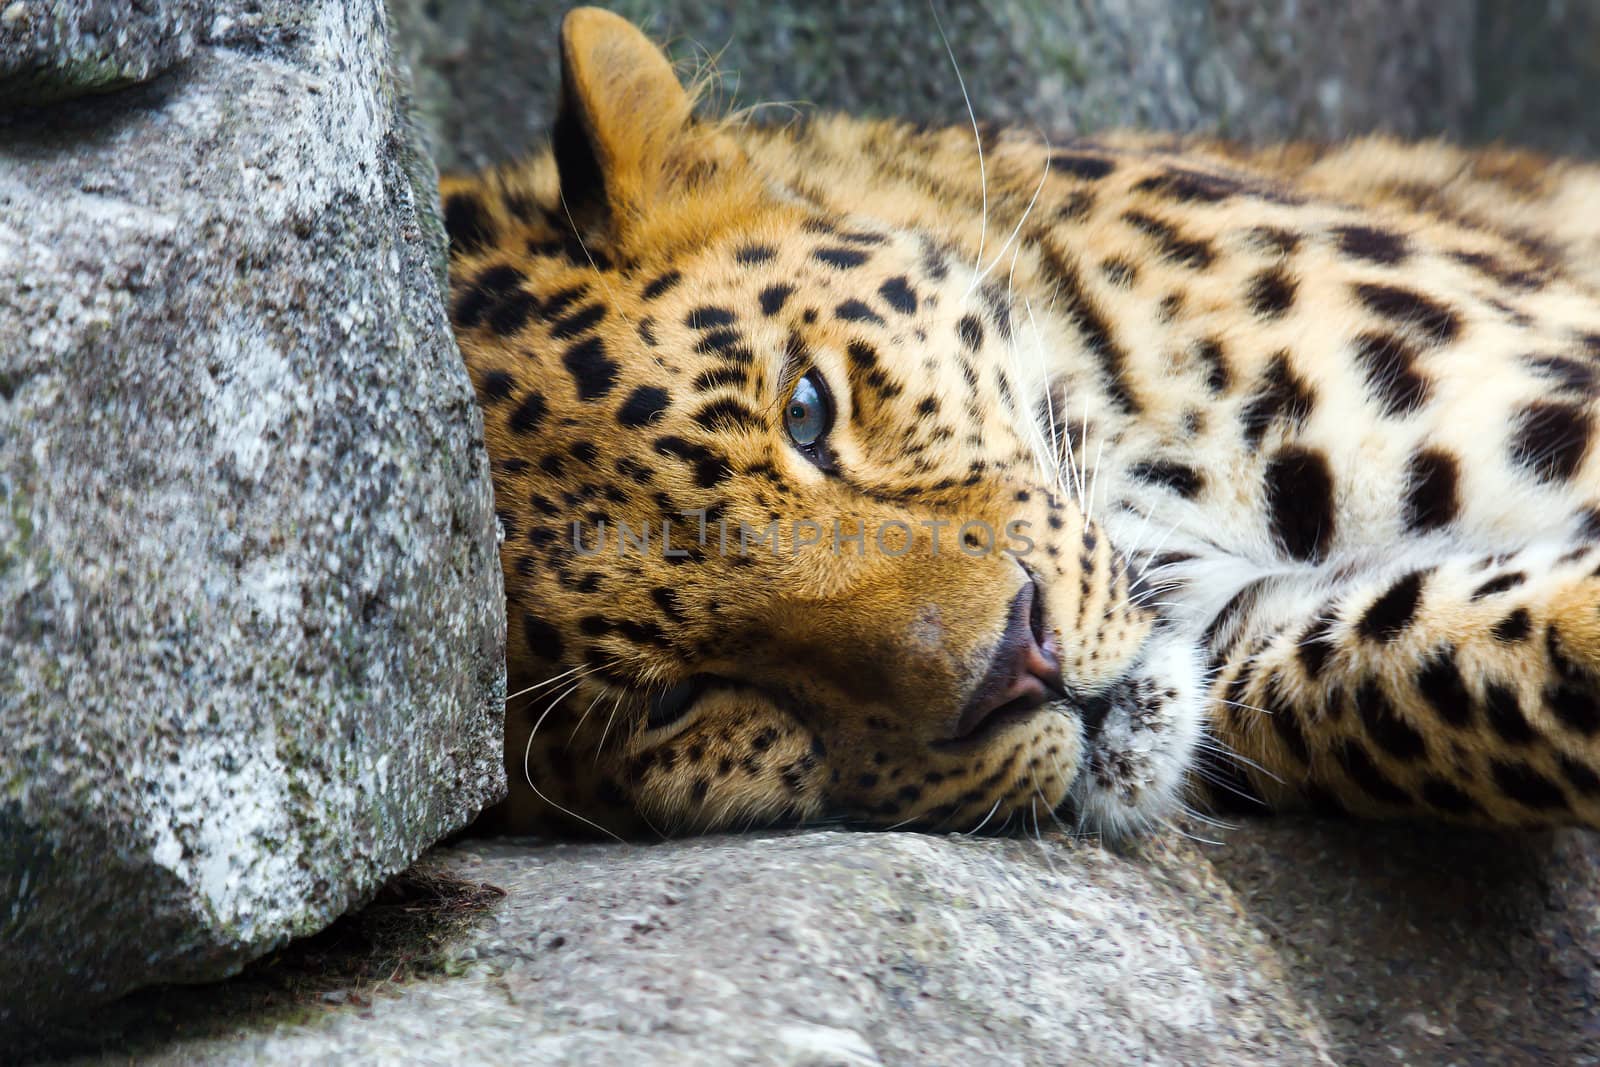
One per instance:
(1302, 441)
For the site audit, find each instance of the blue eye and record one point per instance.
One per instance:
(808, 416)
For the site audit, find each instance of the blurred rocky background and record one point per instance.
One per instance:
(1470, 70)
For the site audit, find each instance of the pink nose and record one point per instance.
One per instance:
(1024, 672)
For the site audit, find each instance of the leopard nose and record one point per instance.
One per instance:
(1024, 671)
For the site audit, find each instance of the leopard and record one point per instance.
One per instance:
(859, 472)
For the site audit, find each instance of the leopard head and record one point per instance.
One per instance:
(787, 530)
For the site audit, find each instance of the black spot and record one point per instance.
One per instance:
(467, 223)
(1096, 332)
(971, 332)
(1210, 353)
(1357, 763)
(1190, 252)
(1499, 584)
(1390, 367)
(843, 258)
(773, 297)
(1300, 503)
(1580, 776)
(1182, 479)
(1187, 186)
(1238, 604)
(726, 411)
(1275, 239)
(488, 288)
(642, 406)
(1411, 310)
(1433, 480)
(1282, 394)
(856, 311)
(559, 301)
(1286, 725)
(1392, 733)
(728, 344)
(749, 255)
(1514, 627)
(1119, 272)
(1369, 243)
(1504, 712)
(896, 292)
(1575, 707)
(1314, 647)
(529, 414)
(1392, 612)
(1589, 524)
(1565, 373)
(667, 601)
(1089, 168)
(662, 284)
(1447, 798)
(584, 452)
(495, 386)
(719, 376)
(1527, 786)
(710, 468)
(1551, 439)
(862, 354)
(512, 313)
(706, 318)
(542, 639)
(1441, 685)
(594, 373)
(1271, 292)
(1498, 270)
(647, 330)
(580, 321)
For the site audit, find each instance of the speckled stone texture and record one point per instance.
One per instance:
(1293, 941)
(487, 71)
(56, 49)
(817, 949)
(251, 617)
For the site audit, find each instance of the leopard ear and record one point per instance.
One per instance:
(626, 140)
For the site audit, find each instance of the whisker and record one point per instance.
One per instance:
(1181, 832)
(977, 137)
(527, 772)
(548, 681)
(989, 816)
(1020, 223)
(600, 745)
(1215, 744)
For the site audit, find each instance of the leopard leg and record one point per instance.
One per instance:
(1442, 685)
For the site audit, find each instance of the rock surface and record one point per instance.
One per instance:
(51, 50)
(487, 72)
(251, 626)
(1294, 941)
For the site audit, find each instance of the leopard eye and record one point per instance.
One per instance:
(808, 416)
(674, 702)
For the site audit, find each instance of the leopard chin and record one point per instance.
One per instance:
(1137, 762)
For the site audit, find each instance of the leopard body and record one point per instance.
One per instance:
(1287, 453)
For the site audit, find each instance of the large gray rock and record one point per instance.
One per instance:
(251, 626)
(487, 71)
(1294, 941)
(815, 948)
